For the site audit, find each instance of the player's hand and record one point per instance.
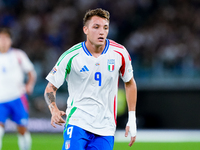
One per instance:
(131, 127)
(57, 118)
(29, 89)
(132, 138)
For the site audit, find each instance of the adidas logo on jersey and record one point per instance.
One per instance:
(84, 69)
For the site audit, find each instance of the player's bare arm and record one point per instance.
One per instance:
(31, 81)
(50, 95)
(50, 98)
(131, 96)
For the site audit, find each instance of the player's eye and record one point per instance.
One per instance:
(106, 27)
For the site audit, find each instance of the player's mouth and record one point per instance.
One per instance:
(101, 39)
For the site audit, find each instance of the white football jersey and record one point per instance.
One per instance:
(13, 65)
(92, 85)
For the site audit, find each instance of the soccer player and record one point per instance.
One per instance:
(14, 64)
(92, 69)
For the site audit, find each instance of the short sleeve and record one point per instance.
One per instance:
(24, 61)
(126, 70)
(62, 68)
(57, 75)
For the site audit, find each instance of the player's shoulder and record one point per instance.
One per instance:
(74, 49)
(115, 45)
(118, 48)
(70, 53)
(18, 52)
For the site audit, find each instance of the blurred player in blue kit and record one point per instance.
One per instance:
(14, 64)
(92, 69)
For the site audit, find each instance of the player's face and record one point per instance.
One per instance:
(5, 42)
(96, 30)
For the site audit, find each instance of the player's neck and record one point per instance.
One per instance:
(3, 50)
(95, 50)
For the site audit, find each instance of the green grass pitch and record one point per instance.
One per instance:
(45, 141)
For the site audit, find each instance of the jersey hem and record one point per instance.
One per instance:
(95, 131)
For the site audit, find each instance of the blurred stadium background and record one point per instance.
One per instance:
(162, 37)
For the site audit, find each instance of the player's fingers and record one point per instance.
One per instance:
(55, 119)
(52, 123)
(62, 120)
(126, 131)
(62, 113)
(132, 141)
(60, 124)
(59, 120)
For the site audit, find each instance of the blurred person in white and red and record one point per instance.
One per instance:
(14, 66)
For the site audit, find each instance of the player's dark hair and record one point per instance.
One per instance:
(96, 12)
(6, 31)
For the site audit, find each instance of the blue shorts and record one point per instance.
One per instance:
(16, 110)
(76, 138)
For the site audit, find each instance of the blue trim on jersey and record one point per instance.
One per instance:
(106, 47)
(104, 51)
(85, 49)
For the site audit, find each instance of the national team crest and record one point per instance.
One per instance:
(111, 65)
(67, 145)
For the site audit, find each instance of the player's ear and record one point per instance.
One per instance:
(85, 29)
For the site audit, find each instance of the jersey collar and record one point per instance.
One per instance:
(89, 54)
(106, 47)
(7, 51)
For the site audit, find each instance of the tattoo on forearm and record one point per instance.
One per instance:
(54, 88)
(49, 97)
